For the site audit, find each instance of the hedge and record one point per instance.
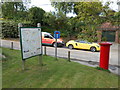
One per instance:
(10, 29)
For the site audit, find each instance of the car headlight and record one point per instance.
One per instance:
(97, 45)
(60, 41)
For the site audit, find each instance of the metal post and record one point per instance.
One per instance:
(45, 50)
(55, 49)
(69, 56)
(11, 45)
(40, 57)
(23, 61)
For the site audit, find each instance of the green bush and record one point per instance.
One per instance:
(28, 25)
(9, 30)
(88, 33)
(104, 39)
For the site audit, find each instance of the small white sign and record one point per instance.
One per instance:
(30, 42)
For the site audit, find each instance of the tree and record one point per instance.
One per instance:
(87, 19)
(89, 16)
(57, 21)
(74, 27)
(116, 18)
(64, 7)
(13, 10)
(88, 12)
(49, 19)
(49, 22)
(36, 15)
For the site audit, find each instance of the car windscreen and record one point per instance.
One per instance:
(51, 35)
(82, 41)
(48, 36)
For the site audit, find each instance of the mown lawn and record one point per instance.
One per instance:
(54, 74)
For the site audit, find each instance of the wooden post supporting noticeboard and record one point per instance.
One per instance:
(31, 43)
(23, 61)
(19, 25)
(40, 57)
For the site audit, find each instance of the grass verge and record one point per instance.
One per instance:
(54, 74)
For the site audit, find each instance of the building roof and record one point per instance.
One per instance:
(108, 26)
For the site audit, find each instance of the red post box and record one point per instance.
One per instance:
(104, 54)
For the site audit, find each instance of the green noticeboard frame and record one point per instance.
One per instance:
(23, 46)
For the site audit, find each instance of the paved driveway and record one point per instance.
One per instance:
(75, 54)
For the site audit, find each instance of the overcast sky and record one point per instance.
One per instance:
(46, 5)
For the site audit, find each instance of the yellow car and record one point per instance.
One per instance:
(83, 45)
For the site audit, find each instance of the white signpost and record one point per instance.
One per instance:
(31, 42)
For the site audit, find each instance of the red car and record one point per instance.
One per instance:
(48, 39)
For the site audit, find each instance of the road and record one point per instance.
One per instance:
(75, 54)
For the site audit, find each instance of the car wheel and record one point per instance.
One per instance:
(70, 46)
(92, 49)
(54, 44)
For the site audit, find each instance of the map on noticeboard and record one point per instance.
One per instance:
(30, 39)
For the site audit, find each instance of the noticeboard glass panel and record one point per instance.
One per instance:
(30, 39)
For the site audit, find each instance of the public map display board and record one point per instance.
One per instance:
(30, 39)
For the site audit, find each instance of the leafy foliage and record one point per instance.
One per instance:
(56, 22)
(89, 16)
(88, 12)
(49, 18)
(88, 33)
(9, 29)
(84, 26)
(14, 10)
(36, 15)
(64, 7)
(99, 68)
